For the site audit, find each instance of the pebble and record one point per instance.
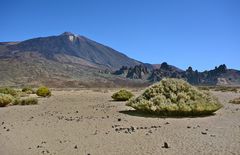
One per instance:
(75, 147)
(165, 145)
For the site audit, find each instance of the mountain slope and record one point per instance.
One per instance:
(66, 60)
(73, 48)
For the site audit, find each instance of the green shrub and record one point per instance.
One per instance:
(5, 99)
(235, 101)
(175, 97)
(43, 91)
(25, 101)
(122, 95)
(7, 90)
(28, 90)
(16, 101)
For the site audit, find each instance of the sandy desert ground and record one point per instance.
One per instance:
(87, 122)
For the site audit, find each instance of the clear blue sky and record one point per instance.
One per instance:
(197, 33)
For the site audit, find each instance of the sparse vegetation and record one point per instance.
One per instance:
(43, 91)
(122, 95)
(28, 90)
(8, 90)
(21, 94)
(175, 97)
(25, 101)
(226, 89)
(5, 99)
(235, 101)
(220, 88)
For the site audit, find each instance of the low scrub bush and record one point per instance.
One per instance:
(175, 97)
(21, 94)
(25, 101)
(28, 90)
(235, 101)
(122, 95)
(7, 90)
(43, 91)
(5, 99)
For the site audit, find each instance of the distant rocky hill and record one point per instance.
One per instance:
(70, 60)
(218, 76)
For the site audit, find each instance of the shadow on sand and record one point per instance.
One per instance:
(146, 114)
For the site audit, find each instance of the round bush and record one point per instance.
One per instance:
(175, 97)
(122, 95)
(43, 91)
(5, 99)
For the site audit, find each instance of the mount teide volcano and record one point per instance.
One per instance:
(72, 48)
(63, 60)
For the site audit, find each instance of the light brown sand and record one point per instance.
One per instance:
(85, 122)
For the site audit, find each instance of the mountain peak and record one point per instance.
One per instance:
(68, 34)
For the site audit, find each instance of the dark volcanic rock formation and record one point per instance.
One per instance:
(218, 76)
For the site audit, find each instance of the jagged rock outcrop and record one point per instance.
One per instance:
(218, 76)
(165, 71)
(192, 77)
(138, 72)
